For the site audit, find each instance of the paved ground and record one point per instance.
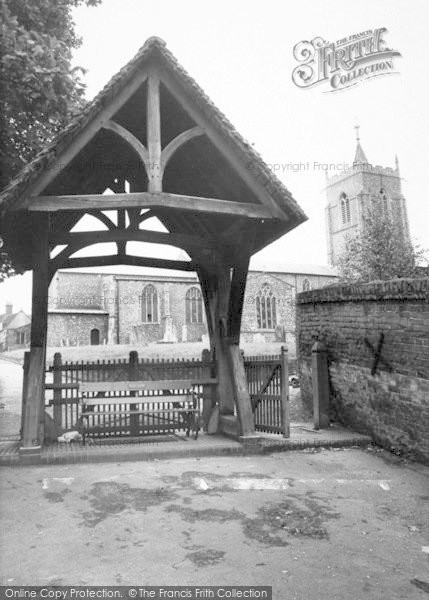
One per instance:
(337, 525)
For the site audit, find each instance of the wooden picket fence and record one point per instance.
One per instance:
(66, 377)
(267, 378)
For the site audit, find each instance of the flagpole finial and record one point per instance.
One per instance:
(357, 127)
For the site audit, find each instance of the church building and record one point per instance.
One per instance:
(104, 308)
(350, 193)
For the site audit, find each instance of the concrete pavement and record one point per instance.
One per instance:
(315, 524)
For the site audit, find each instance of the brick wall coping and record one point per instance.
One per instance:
(394, 289)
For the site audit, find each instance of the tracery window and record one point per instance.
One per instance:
(194, 306)
(150, 304)
(345, 209)
(266, 308)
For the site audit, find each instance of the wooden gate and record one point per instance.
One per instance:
(267, 378)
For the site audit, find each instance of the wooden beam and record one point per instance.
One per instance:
(88, 238)
(154, 134)
(103, 218)
(130, 139)
(88, 202)
(135, 261)
(121, 244)
(177, 142)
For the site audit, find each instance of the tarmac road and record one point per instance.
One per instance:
(10, 398)
(337, 525)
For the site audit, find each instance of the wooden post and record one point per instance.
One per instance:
(212, 290)
(25, 368)
(320, 378)
(236, 360)
(34, 416)
(154, 134)
(236, 298)
(208, 399)
(242, 397)
(284, 390)
(224, 297)
(133, 375)
(58, 379)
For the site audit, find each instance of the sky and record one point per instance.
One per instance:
(241, 54)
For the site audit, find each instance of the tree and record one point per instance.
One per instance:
(380, 251)
(39, 89)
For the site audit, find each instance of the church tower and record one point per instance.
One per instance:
(351, 192)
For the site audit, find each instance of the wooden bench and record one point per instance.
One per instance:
(136, 407)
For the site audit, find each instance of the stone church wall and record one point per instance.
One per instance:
(66, 329)
(120, 297)
(285, 309)
(131, 325)
(388, 399)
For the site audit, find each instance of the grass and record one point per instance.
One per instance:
(114, 352)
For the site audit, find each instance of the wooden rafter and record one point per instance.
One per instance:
(88, 132)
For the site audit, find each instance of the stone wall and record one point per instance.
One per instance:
(285, 308)
(171, 304)
(118, 297)
(74, 329)
(390, 398)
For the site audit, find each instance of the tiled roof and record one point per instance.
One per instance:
(157, 46)
(14, 321)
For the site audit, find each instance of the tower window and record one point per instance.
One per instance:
(150, 304)
(345, 209)
(194, 306)
(306, 285)
(266, 308)
(383, 199)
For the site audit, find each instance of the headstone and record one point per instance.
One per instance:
(52, 431)
(213, 424)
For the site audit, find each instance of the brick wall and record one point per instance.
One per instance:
(393, 403)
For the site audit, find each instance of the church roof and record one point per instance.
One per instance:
(257, 265)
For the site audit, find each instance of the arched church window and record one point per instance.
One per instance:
(345, 208)
(306, 285)
(194, 306)
(150, 304)
(266, 308)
